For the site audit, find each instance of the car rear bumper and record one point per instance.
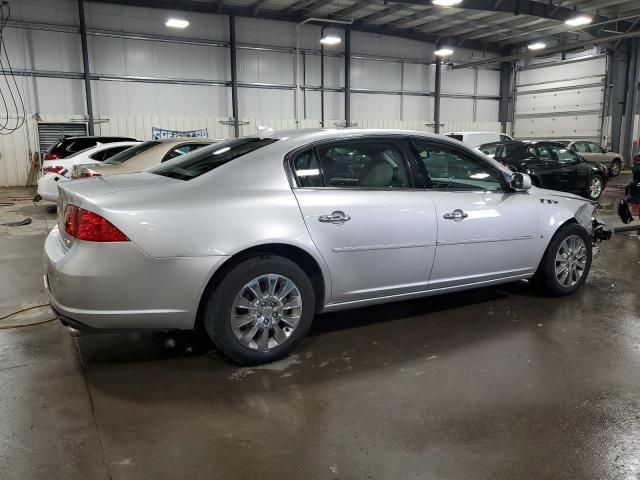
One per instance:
(48, 189)
(115, 286)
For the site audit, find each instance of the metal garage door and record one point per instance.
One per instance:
(50, 132)
(564, 100)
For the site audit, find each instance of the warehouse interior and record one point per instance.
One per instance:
(491, 382)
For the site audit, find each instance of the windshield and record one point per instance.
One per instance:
(129, 153)
(204, 160)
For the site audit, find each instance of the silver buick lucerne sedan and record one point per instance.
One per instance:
(248, 239)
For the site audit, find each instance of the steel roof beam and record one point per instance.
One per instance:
(268, 14)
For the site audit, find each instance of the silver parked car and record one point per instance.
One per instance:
(250, 238)
(593, 152)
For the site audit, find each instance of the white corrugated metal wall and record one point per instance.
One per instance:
(146, 75)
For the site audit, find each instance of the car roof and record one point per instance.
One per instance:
(314, 134)
(473, 133)
(183, 140)
(97, 137)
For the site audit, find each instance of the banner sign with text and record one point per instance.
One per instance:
(160, 133)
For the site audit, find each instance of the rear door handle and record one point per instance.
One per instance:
(337, 218)
(457, 215)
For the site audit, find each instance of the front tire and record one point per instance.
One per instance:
(595, 187)
(260, 310)
(566, 262)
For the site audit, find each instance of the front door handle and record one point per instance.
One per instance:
(337, 218)
(457, 215)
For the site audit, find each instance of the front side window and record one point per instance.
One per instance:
(370, 163)
(544, 152)
(203, 160)
(562, 154)
(451, 169)
(595, 148)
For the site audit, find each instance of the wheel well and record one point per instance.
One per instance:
(296, 254)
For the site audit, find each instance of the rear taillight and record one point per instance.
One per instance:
(55, 169)
(89, 226)
(50, 156)
(89, 174)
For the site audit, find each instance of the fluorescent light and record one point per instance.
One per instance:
(330, 40)
(177, 23)
(579, 21)
(446, 3)
(330, 36)
(537, 46)
(443, 52)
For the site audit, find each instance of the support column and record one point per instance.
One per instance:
(85, 66)
(347, 76)
(631, 103)
(617, 77)
(234, 75)
(506, 71)
(436, 96)
(322, 79)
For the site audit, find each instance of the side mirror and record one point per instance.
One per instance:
(520, 182)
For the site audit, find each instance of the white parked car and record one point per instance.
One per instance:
(475, 139)
(247, 240)
(59, 170)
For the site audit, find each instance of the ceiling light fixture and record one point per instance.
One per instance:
(579, 21)
(330, 36)
(443, 52)
(537, 46)
(177, 23)
(446, 3)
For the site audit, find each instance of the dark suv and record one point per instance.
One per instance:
(69, 145)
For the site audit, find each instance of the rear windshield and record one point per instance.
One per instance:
(204, 160)
(129, 153)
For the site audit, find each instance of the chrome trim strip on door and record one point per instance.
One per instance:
(486, 240)
(365, 248)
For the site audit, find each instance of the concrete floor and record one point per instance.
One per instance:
(493, 383)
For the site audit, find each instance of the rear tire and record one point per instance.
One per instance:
(616, 167)
(566, 262)
(260, 310)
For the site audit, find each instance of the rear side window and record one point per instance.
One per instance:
(129, 153)
(204, 160)
(370, 163)
(307, 170)
(455, 137)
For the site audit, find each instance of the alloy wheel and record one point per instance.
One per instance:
(595, 187)
(615, 169)
(266, 312)
(571, 261)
